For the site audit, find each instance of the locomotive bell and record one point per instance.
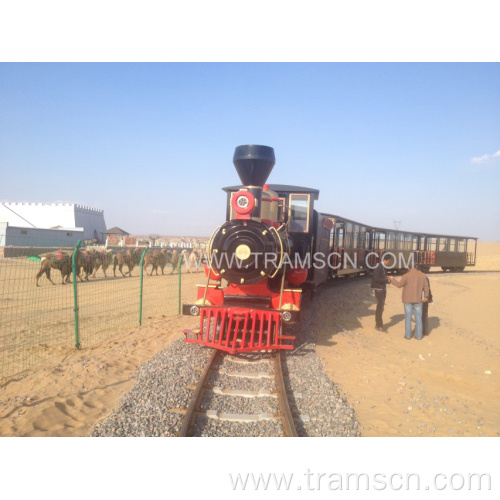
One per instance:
(254, 164)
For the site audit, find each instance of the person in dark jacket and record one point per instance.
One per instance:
(425, 305)
(379, 286)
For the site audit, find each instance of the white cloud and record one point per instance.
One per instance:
(485, 158)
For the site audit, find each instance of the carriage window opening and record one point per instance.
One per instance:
(24, 231)
(415, 243)
(408, 242)
(442, 244)
(299, 213)
(69, 234)
(431, 244)
(348, 235)
(339, 237)
(400, 241)
(379, 241)
(452, 245)
(461, 245)
(422, 243)
(471, 246)
(362, 238)
(332, 238)
(355, 239)
(391, 240)
(400, 238)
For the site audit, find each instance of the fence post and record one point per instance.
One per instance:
(140, 293)
(180, 265)
(75, 295)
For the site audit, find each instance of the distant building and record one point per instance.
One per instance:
(48, 224)
(118, 237)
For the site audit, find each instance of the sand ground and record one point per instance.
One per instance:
(68, 396)
(446, 384)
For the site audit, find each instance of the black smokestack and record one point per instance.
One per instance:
(253, 164)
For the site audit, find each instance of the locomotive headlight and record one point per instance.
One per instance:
(195, 311)
(242, 202)
(287, 316)
(242, 252)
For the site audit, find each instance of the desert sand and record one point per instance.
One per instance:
(445, 385)
(68, 396)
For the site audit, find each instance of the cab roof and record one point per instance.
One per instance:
(281, 188)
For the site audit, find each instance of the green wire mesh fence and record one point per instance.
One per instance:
(49, 307)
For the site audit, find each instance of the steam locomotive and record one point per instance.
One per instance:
(265, 257)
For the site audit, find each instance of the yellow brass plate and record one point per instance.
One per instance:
(242, 252)
(290, 307)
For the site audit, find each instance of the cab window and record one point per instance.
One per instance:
(299, 213)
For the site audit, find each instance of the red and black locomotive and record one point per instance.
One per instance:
(252, 253)
(274, 246)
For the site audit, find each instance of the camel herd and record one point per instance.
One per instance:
(89, 261)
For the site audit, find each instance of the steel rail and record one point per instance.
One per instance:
(286, 413)
(189, 417)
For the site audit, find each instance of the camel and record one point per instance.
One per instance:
(57, 260)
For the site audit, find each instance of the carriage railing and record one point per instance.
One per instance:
(471, 259)
(424, 257)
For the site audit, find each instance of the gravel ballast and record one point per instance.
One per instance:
(156, 404)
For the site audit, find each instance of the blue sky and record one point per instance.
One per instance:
(152, 144)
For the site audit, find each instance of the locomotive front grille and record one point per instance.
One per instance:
(241, 330)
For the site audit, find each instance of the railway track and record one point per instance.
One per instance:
(208, 400)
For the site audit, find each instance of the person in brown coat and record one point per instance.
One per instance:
(413, 284)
